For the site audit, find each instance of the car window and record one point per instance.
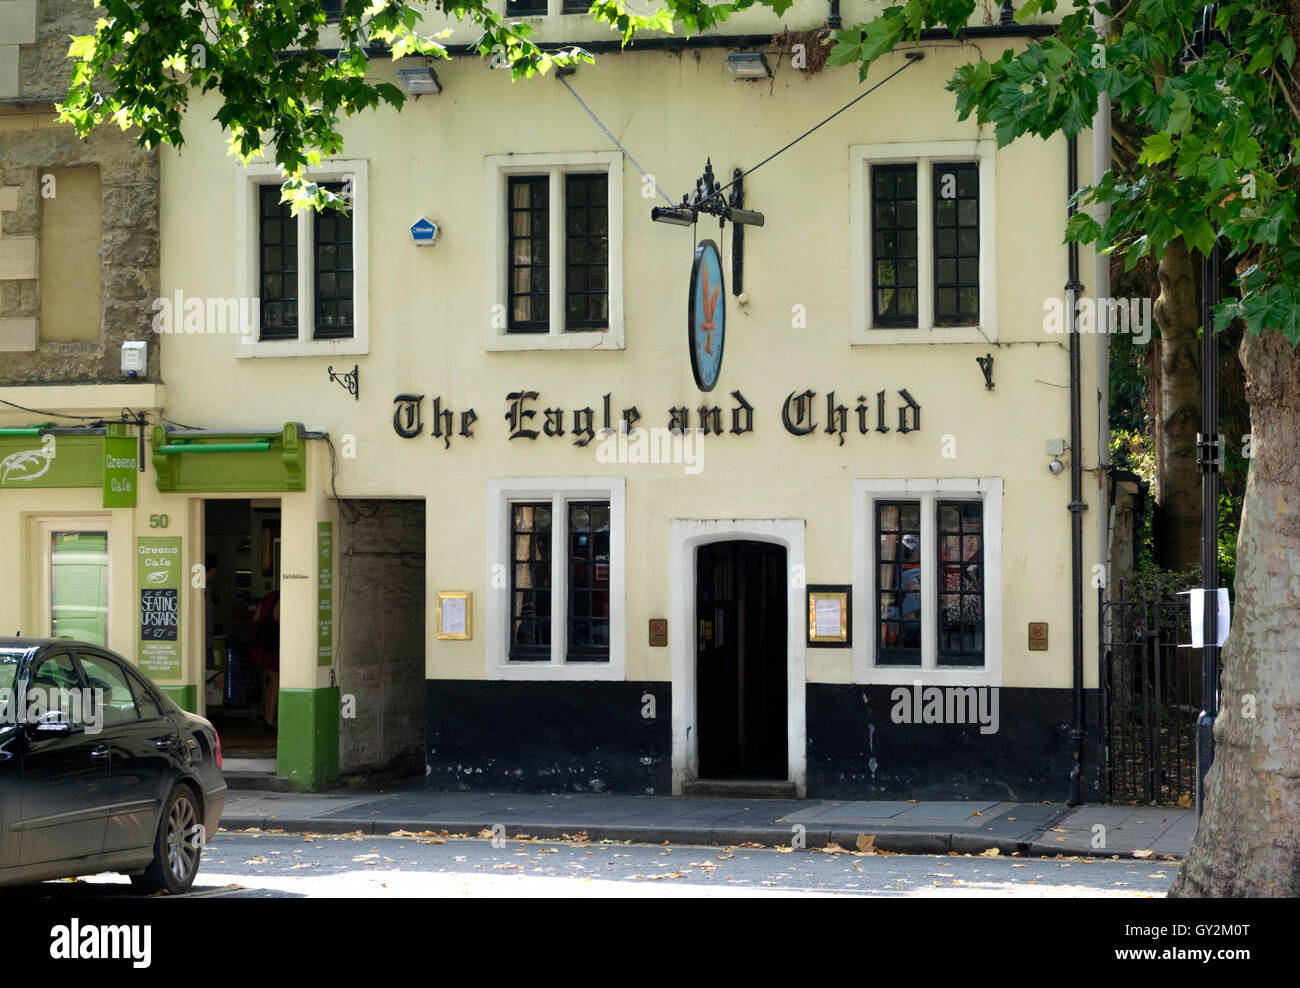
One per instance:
(9, 661)
(117, 701)
(144, 698)
(55, 685)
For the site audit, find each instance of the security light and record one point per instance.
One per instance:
(748, 65)
(419, 81)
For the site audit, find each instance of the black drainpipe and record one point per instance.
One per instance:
(1072, 289)
(833, 21)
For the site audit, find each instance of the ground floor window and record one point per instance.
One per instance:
(559, 555)
(930, 564)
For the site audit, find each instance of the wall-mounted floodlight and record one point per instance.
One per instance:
(419, 81)
(748, 65)
(677, 215)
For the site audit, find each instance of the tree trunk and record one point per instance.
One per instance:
(1248, 843)
(1178, 505)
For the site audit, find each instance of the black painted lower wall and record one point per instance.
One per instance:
(549, 737)
(593, 737)
(856, 751)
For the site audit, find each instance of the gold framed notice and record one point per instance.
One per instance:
(829, 616)
(455, 615)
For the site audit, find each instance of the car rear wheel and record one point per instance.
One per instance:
(177, 849)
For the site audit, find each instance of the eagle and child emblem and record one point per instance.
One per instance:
(706, 316)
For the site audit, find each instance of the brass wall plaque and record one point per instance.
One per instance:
(658, 631)
(1038, 636)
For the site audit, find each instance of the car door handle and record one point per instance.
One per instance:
(99, 751)
(166, 742)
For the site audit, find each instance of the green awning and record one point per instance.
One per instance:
(200, 461)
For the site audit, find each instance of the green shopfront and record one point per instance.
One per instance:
(104, 537)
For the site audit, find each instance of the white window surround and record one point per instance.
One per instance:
(861, 158)
(499, 168)
(500, 493)
(684, 537)
(927, 491)
(247, 278)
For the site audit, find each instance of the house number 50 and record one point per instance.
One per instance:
(157, 521)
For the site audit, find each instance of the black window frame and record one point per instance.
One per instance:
(897, 655)
(533, 324)
(344, 264)
(270, 207)
(949, 658)
(586, 593)
(590, 183)
(526, 8)
(539, 648)
(586, 565)
(959, 258)
(879, 235)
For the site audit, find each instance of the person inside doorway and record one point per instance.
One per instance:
(266, 652)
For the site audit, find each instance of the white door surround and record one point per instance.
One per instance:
(684, 536)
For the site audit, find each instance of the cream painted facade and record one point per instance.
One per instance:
(801, 325)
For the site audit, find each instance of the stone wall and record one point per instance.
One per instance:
(381, 615)
(32, 143)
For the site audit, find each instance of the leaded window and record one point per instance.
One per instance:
(529, 253)
(586, 251)
(898, 583)
(278, 270)
(333, 271)
(894, 245)
(530, 581)
(588, 597)
(960, 531)
(956, 189)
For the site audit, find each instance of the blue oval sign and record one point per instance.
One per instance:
(706, 318)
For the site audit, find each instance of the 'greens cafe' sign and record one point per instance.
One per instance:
(158, 575)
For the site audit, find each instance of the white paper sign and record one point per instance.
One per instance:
(453, 615)
(1222, 618)
(828, 618)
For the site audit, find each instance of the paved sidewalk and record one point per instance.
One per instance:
(924, 827)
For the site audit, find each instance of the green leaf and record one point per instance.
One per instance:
(1156, 148)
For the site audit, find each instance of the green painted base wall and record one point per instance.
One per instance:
(185, 697)
(308, 753)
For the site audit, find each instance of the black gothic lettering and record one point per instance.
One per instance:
(517, 414)
(554, 425)
(582, 422)
(743, 411)
(837, 417)
(800, 403)
(902, 413)
(440, 430)
(407, 421)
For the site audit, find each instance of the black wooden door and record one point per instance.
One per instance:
(741, 660)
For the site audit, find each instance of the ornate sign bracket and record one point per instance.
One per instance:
(707, 197)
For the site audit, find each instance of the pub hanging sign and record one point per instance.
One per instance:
(706, 316)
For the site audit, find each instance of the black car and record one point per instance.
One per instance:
(99, 770)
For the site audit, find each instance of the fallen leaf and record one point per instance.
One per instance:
(258, 860)
(992, 852)
(435, 840)
(1145, 853)
(1184, 800)
(866, 842)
